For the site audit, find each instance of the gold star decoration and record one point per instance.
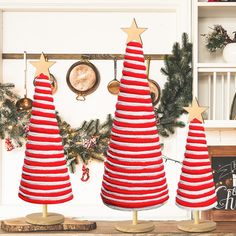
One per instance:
(195, 111)
(134, 32)
(42, 66)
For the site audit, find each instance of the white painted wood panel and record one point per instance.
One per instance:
(88, 27)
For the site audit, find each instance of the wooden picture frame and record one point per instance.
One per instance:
(215, 214)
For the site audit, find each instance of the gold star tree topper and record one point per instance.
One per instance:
(195, 111)
(42, 66)
(134, 32)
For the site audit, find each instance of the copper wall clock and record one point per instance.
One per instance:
(83, 79)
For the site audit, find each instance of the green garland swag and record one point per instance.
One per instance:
(90, 140)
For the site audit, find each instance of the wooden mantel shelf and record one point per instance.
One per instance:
(162, 228)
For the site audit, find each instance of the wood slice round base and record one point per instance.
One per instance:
(203, 226)
(38, 219)
(141, 227)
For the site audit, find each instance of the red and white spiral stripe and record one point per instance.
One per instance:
(45, 178)
(134, 176)
(196, 189)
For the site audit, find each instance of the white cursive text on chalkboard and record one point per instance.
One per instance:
(228, 202)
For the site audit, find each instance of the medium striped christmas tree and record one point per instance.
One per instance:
(45, 179)
(196, 188)
(134, 176)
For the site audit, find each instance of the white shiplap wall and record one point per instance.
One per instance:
(88, 27)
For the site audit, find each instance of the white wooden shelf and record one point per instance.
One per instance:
(216, 67)
(214, 84)
(217, 9)
(216, 4)
(220, 124)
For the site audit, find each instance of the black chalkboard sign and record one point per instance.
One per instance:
(224, 173)
(223, 160)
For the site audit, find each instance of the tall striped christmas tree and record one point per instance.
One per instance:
(134, 177)
(45, 179)
(196, 188)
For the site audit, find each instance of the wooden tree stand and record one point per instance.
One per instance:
(46, 222)
(197, 225)
(135, 226)
(20, 225)
(44, 218)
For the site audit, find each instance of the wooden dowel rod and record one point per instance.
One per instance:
(45, 210)
(77, 56)
(214, 96)
(222, 96)
(228, 96)
(209, 97)
(196, 217)
(135, 217)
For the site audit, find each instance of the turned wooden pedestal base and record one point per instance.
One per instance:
(190, 226)
(140, 227)
(50, 219)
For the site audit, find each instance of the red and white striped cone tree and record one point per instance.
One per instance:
(196, 188)
(45, 179)
(134, 176)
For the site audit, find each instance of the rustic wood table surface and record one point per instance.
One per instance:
(162, 228)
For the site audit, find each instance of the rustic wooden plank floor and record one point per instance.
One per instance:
(162, 228)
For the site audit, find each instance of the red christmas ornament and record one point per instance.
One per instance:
(85, 175)
(26, 129)
(88, 143)
(8, 144)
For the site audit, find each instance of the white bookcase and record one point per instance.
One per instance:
(214, 81)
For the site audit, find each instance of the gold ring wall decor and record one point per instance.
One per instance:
(83, 79)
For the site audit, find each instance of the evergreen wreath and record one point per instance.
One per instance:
(90, 140)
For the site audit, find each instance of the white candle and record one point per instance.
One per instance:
(234, 180)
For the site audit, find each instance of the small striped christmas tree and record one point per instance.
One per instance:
(45, 179)
(134, 176)
(196, 188)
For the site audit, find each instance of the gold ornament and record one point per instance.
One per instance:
(24, 104)
(195, 111)
(114, 85)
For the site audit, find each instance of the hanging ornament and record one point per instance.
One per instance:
(25, 103)
(114, 85)
(89, 142)
(85, 175)
(8, 144)
(26, 129)
(83, 79)
(154, 86)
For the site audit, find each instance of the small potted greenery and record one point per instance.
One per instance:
(218, 39)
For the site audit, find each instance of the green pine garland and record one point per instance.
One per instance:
(12, 121)
(90, 140)
(177, 92)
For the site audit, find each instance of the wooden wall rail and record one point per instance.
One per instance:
(78, 56)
